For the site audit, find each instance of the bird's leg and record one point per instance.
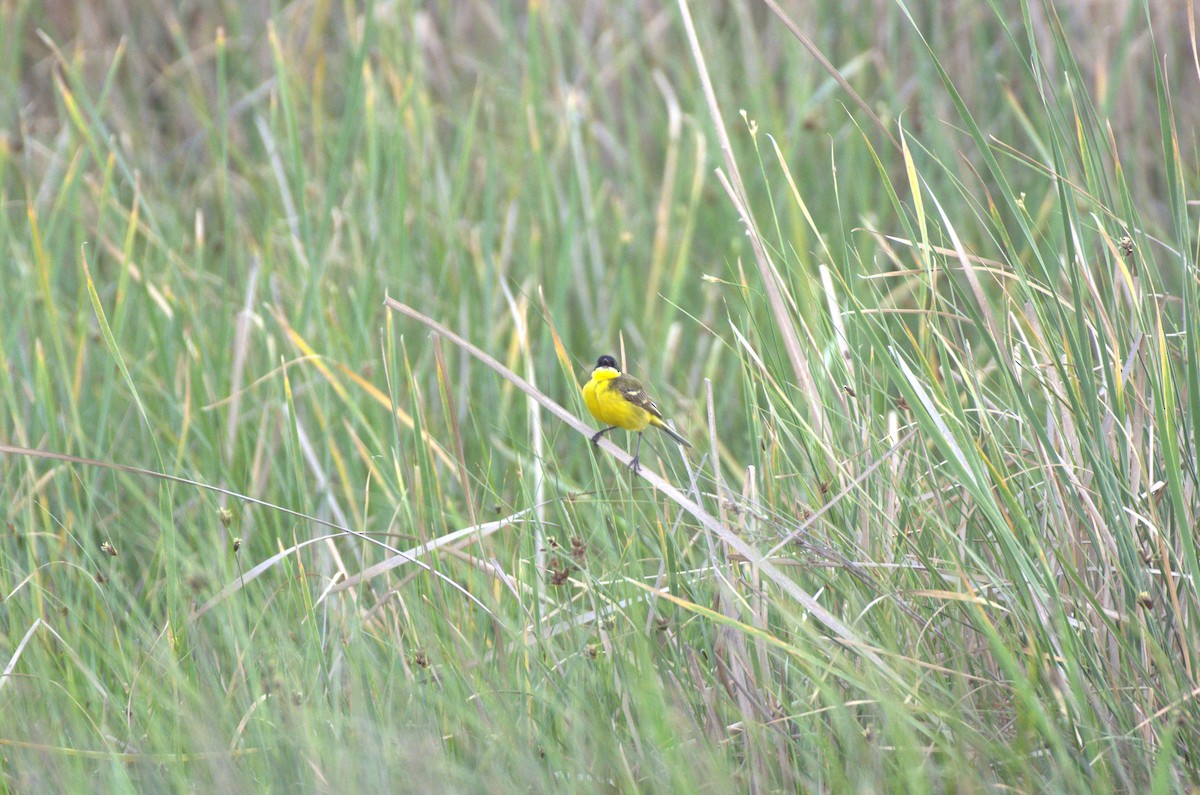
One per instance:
(634, 465)
(596, 438)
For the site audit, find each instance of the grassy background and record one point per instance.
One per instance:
(928, 328)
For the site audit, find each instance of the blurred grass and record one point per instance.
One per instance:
(977, 454)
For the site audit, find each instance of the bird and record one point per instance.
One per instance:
(620, 401)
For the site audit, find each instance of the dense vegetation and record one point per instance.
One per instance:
(292, 297)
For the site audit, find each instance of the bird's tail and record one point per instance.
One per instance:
(662, 426)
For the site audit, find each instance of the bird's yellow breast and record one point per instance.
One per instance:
(607, 404)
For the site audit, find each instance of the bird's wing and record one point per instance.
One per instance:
(633, 391)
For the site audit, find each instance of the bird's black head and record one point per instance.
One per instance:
(607, 361)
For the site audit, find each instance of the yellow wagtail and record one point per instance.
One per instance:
(620, 401)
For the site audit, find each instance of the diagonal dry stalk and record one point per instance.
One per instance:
(831, 70)
(772, 280)
(805, 600)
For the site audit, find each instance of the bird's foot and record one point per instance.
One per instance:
(635, 466)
